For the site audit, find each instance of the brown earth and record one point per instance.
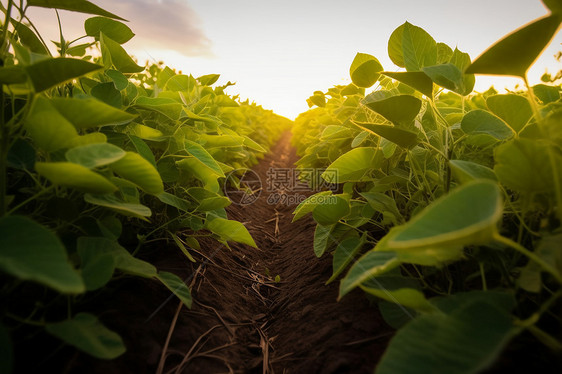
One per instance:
(242, 320)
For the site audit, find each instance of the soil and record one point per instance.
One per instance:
(242, 319)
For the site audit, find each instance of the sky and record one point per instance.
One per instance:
(280, 52)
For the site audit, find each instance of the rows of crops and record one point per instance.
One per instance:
(451, 201)
(98, 153)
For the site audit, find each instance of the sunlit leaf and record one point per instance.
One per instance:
(231, 231)
(515, 110)
(345, 252)
(201, 154)
(138, 170)
(114, 54)
(78, 177)
(115, 30)
(365, 70)
(515, 53)
(482, 122)
(466, 171)
(331, 210)
(415, 79)
(55, 71)
(353, 165)
(94, 155)
(120, 206)
(81, 6)
(412, 47)
(401, 109)
(401, 137)
(177, 286)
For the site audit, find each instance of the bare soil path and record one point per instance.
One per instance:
(242, 320)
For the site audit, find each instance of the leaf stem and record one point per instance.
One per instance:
(531, 255)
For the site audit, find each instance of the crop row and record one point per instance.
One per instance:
(99, 157)
(450, 203)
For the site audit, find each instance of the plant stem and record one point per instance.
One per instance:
(531, 255)
(483, 276)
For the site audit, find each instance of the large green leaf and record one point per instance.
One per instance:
(415, 79)
(331, 210)
(466, 341)
(482, 122)
(97, 267)
(30, 251)
(467, 215)
(94, 155)
(181, 83)
(412, 47)
(365, 70)
(450, 77)
(145, 132)
(28, 38)
(462, 60)
(115, 30)
(120, 206)
(141, 172)
(322, 239)
(201, 154)
(354, 164)
(370, 265)
(89, 112)
(68, 174)
(231, 231)
(49, 130)
(55, 71)
(81, 6)
(400, 109)
(88, 334)
(177, 286)
(114, 54)
(515, 53)
(524, 165)
(515, 110)
(401, 137)
(12, 75)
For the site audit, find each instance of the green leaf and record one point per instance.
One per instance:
(143, 149)
(231, 231)
(546, 94)
(12, 75)
(81, 6)
(201, 154)
(322, 239)
(515, 53)
(181, 246)
(467, 215)
(524, 165)
(415, 79)
(549, 251)
(115, 30)
(167, 107)
(209, 79)
(138, 170)
(123, 260)
(404, 138)
(554, 5)
(29, 39)
(49, 130)
(462, 60)
(119, 80)
(308, 205)
(331, 210)
(515, 110)
(482, 122)
(68, 174)
(94, 155)
(450, 77)
(466, 341)
(56, 71)
(370, 265)
(395, 315)
(97, 268)
(181, 83)
(354, 165)
(412, 47)
(120, 206)
(444, 53)
(344, 254)
(89, 335)
(29, 251)
(88, 112)
(399, 290)
(107, 93)
(364, 70)
(383, 203)
(176, 202)
(400, 109)
(177, 286)
(114, 54)
(467, 171)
